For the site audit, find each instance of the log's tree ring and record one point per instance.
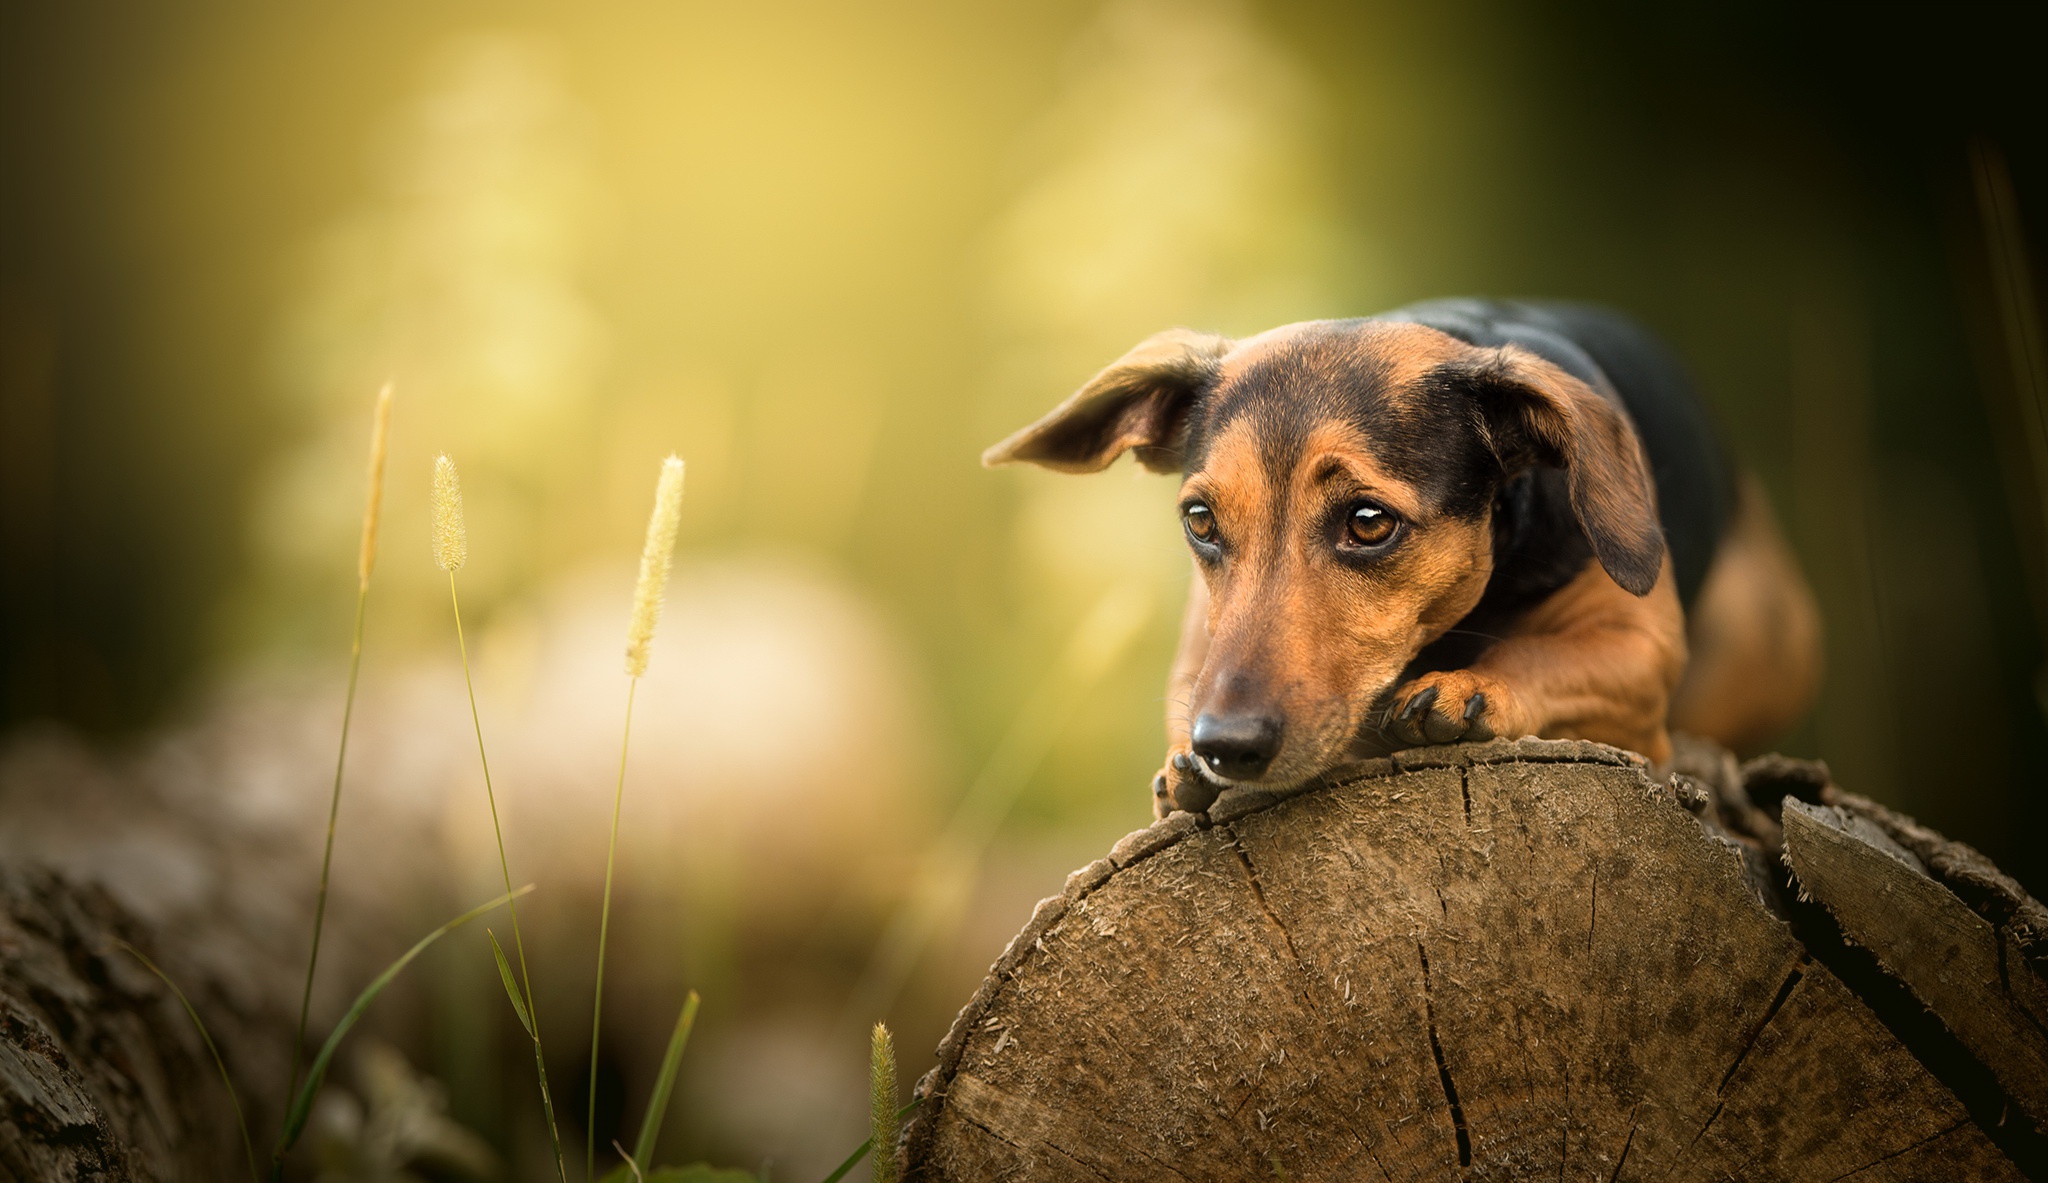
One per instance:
(1514, 960)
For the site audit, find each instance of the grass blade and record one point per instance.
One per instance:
(247, 1148)
(302, 1104)
(657, 1104)
(519, 1007)
(861, 1151)
(511, 987)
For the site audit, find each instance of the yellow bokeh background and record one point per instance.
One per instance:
(827, 253)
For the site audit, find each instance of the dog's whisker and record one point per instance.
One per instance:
(1473, 632)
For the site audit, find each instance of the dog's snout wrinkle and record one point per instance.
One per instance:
(1238, 746)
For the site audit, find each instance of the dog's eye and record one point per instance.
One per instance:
(1371, 525)
(1201, 523)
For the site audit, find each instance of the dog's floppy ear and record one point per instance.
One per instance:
(1536, 410)
(1139, 403)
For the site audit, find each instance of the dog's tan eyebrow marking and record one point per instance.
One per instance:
(1328, 469)
(1233, 482)
(1343, 453)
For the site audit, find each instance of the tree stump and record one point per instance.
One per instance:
(1515, 960)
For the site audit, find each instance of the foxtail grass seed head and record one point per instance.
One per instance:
(655, 558)
(882, 1104)
(380, 435)
(451, 539)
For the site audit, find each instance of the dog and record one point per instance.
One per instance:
(1460, 520)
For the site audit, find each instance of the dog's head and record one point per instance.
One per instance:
(1338, 487)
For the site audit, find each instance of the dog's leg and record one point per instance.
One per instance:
(1176, 777)
(1590, 662)
(1755, 635)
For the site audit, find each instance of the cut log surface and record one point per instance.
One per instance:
(1520, 960)
(1980, 976)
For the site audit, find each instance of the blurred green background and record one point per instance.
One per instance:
(827, 252)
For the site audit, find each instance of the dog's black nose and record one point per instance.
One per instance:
(1237, 746)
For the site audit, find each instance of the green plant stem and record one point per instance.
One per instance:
(348, 710)
(604, 925)
(248, 1149)
(504, 866)
(302, 1104)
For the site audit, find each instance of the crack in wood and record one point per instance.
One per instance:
(966, 1115)
(1251, 874)
(1443, 1067)
(1882, 1159)
(1923, 1033)
(1161, 1163)
(1771, 1012)
(1085, 1166)
(1593, 922)
(1626, 1144)
(1492, 1070)
(2005, 985)
(1371, 1154)
(991, 1131)
(1706, 1125)
(1465, 789)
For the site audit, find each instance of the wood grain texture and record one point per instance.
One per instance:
(1958, 964)
(1497, 962)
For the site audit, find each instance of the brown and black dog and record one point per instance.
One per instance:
(1459, 520)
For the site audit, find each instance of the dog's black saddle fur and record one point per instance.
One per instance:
(1623, 361)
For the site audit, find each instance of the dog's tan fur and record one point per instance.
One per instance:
(1756, 636)
(1283, 623)
(1280, 610)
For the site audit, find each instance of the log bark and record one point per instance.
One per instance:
(102, 1075)
(1508, 961)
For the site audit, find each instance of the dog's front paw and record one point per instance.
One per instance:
(1452, 706)
(1162, 793)
(1179, 786)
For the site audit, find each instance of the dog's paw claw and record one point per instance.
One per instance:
(1446, 707)
(1178, 786)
